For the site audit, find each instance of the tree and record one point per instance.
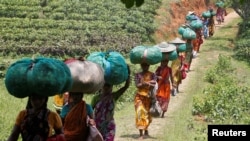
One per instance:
(242, 8)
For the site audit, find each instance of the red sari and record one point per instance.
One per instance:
(75, 125)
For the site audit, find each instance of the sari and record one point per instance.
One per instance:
(197, 41)
(164, 88)
(104, 117)
(176, 71)
(211, 26)
(220, 14)
(75, 125)
(188, 54)
(142, 101)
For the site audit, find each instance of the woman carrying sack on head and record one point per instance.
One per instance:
(211, 23)
(37, 79)
(164, 76)
(104, 108)
(144, 81)
(87, 78)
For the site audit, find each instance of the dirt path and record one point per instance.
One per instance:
(126, 130)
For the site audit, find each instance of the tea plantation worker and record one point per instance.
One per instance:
(37, 79)
(73, 99)
(177, 65)
(188, 34)
(211, 23)
(104, 108)
(196, 24)
(164, 75)
(75, 119)
(88, 77)
(220, 12)
(116, 71)
(145, 81)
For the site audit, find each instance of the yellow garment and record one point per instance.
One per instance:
(176, 72)
(211, 26)
(142, 116)
(142, 103)
(53, 119)
(58, 100)
(145, 89)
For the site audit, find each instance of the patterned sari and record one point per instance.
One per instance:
(197, 41)
(188, 54)
(176, 71)
(104, 117)
(142, 101)
(211, 26)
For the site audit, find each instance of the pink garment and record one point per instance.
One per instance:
(104, 117)
(220, 14)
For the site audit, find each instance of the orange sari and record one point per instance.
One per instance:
(164, 88)
(197, 41)
(75, 125)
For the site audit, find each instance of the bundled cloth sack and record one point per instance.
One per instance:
(88, 77)
(189, 34)
(41, 76)
(206, 14)
(114, 66)
(186, 31)
(145, 54)
(196, 24)
(219, 4)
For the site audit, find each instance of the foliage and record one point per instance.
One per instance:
(243, 50)
(241, 7)
(73, 27)
(224, 100)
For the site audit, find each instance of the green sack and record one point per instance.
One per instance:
(181, 47)
(196, 24)
(114, 65)
(41, 76)
(219, 4)
(189, 34)
(170, 55)
(206, 14)
(141, 54)
(181, 30)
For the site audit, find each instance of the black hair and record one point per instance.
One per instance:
(29, 105)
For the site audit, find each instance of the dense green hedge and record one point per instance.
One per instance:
(242, 45)
(29, 26)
